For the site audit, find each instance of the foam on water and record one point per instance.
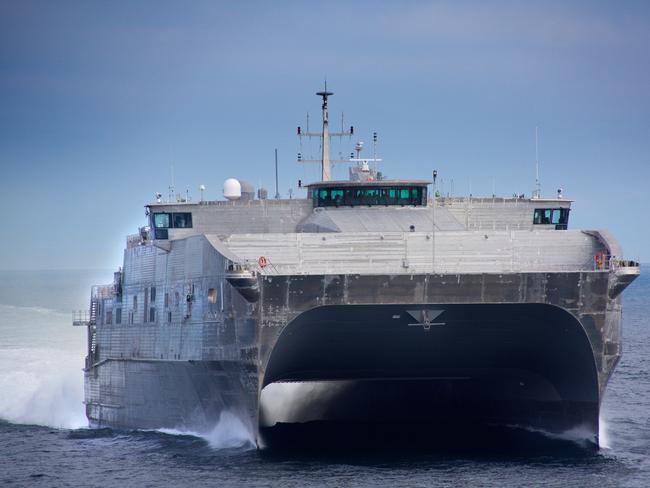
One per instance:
(229, 432)
(603, 436)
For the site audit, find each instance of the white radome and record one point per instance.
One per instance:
(232, 189)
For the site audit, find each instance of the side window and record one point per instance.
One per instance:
(542, 216)
(118, 316)
(153, 294)
(182, 220)
(135, 303)
(555, 216)
(161, 220)
(552, 216)
(152, 314)
(212, 296)
(109, 317)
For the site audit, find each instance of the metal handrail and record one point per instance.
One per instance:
(81, 318)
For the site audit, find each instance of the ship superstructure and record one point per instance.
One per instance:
(370, 301)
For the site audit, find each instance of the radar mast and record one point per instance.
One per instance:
(325, 135)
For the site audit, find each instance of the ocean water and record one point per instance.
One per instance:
(45, 441)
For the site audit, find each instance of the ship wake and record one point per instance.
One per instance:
(229, 432)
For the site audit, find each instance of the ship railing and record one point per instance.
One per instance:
(455, 266)
(253, 266)
(133, 240)
(81, 318)
(616, 263)
(99, 292)
(268, 269)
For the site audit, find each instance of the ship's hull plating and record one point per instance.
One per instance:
(530, 350)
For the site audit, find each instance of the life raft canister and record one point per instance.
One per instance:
(262, 261)
(599, 257)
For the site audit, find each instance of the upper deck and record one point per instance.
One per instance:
(370, 207)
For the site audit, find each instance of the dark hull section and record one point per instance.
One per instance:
(433, 370)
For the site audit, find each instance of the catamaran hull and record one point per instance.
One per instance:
(533, 350)
(351, 370)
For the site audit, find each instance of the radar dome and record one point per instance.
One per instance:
(232, 189)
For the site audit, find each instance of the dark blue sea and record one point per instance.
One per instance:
(45, 441)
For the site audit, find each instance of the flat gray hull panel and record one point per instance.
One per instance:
(185, 395)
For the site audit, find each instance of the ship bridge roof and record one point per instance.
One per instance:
(372, 183)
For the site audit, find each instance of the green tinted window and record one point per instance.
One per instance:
(161, 220)
(555, 218)
(364, 195)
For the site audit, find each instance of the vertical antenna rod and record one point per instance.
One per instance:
(277, 193)
(326, 173)
(538, 190)
(433, 223)
(325, 135)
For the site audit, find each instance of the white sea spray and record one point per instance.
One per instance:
(41, 360)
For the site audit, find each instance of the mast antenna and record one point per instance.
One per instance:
(171, 184)
(538, 189)
(325, 135)
(277, 193)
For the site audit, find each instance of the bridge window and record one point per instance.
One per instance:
(368, 196)
(182, 220)
(552, 216)
(176, 220)
(161, 220)
(165, 220)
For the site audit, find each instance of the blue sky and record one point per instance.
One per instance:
(98, 100)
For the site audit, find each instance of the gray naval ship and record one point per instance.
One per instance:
(372, 302)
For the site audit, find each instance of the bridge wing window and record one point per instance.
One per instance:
(182, 220)
(161, 220)
(552, 216)
(177, 220)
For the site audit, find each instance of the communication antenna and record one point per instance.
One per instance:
(538, 189)
(374, 149)
(277, 193)
(171, 185)
(325, 135)
(201, 189)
